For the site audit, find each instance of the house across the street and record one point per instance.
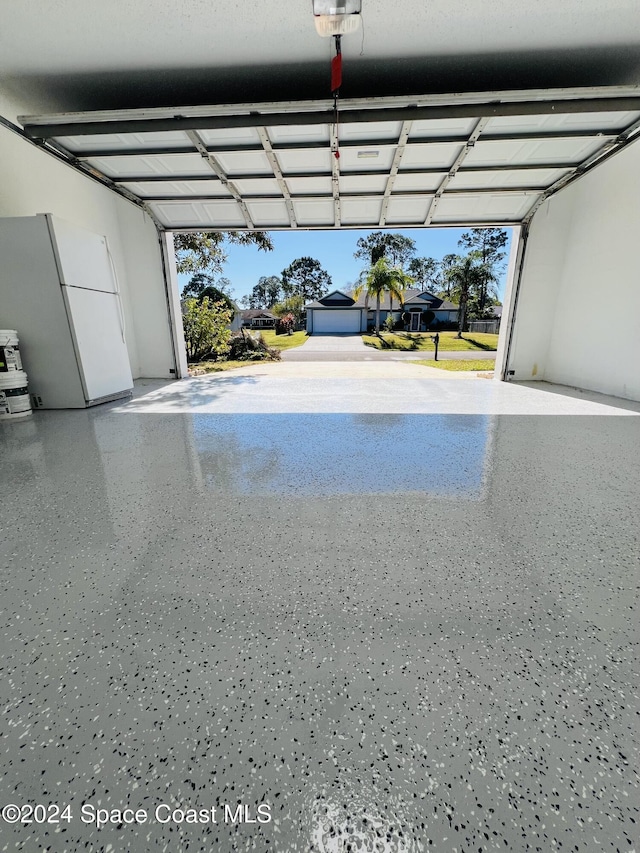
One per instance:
(258, 318)
(336, 314)
(339, 313)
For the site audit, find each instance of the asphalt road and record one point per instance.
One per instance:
(351, 348)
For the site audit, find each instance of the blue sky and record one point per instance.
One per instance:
(333, 249)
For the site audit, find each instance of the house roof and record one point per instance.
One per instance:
(447, 306)
(384, 300)
(253, 313)
(412, 297)
(335, 298)
(427, 299)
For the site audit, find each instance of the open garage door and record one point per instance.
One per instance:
(438, 160)
(463, 160)
(336, 322)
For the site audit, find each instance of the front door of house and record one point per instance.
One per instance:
(415, 321)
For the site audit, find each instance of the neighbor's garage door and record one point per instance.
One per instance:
(336, 322)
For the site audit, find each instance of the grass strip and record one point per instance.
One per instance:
(458, 364)
(449, 342)
(283, 341)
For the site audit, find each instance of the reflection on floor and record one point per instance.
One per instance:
(400, 632)
(325, 455)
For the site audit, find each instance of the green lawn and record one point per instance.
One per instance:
(469, 341)
(201, 367)
(283, 341)
(458, 364)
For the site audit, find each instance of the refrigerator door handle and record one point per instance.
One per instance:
(117, 291)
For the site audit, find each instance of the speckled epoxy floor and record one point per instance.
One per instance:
(426, 645)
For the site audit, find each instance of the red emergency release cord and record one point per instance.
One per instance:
(336, 68)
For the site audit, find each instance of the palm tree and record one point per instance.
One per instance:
(381, 278)
(464, 277)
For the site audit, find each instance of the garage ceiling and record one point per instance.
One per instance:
(553, 87)
(482, 158)
(92, 55)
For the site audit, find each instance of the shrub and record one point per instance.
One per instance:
(389, 323)
(285, 324)
(206, 328)
(247, 347)
(293, 304)
(427, 318)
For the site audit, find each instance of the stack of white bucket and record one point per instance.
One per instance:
(14, 394)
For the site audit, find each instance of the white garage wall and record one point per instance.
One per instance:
(11, 109)
(578, 313)
(147, 296)
(33, 182)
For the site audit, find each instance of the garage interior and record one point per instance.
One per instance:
(398, 611)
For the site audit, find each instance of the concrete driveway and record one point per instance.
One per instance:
(331, 343)
(330, 348)
(391, 388)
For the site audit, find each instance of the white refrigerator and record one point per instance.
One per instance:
(59, 290)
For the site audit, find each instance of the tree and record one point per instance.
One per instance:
(447, 262)
(265, 293)
(291, 305)
(307, 278)
(488, 243)
(224, 285)
(425, 272)
(197, 284)
(213, 294)
(202, 285)
(203, 251)
(206, 328)
(483, 296)
(397, 248)
(465, 276)
(382, 278)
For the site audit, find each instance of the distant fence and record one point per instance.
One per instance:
(489, 326)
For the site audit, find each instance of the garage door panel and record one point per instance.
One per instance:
(195, 215)
(484, 208)
(411, 210)
(506, 178)
(167, 165)
(165, 189)
(336, 322)
(523, 152)
(380, 166)
(570, 122)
